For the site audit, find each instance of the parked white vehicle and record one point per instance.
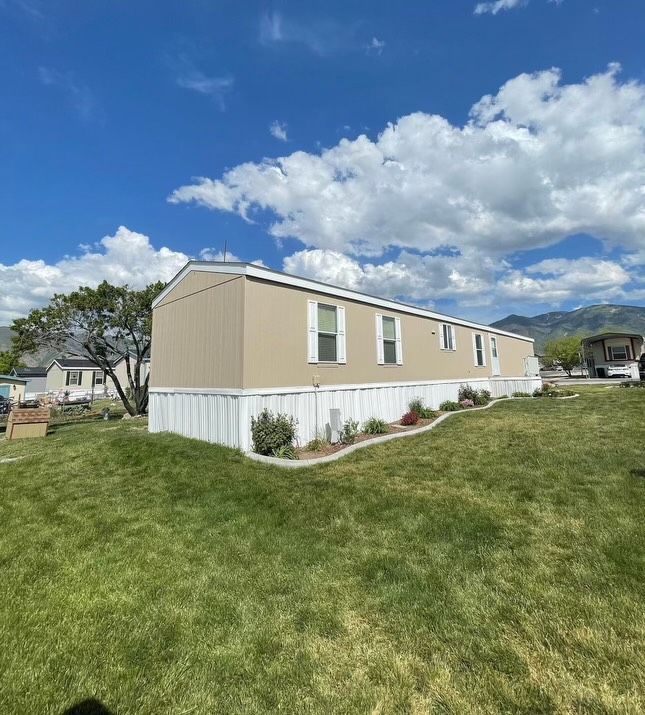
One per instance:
(619, 371)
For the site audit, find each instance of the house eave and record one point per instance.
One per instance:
(269, 275)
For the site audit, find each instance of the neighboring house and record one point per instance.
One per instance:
(36, 378)
(75, 375)
(79, 375)
(12, 388)
(230, 339)
(614, 354)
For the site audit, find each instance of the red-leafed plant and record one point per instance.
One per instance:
(409, 418)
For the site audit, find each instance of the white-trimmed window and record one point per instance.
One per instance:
(619, 352)
(479, 354)
(326, 329)
(99, 378)
(447, 337)
(389, 349)
(74, 378)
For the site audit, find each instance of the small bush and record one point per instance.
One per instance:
(466, 392)
(627, 383)
(521, 394)
(349, 432)
(416, 405)
(482, 397)
(477, 397)
(318, 443)
(465, 404)
(271, 433)
(502, 397)
(425, 413)
(287, 451)
(375, 426)
(428, 414)
(409, 418)
(450, 406)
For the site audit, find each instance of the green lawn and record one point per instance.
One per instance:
(493, 565)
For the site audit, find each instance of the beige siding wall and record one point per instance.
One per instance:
(122, 375)
(275, 348)
(198, 333)
(599, 351)
(17, 389)
(55, 378)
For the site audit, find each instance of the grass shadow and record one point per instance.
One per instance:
(90, 706)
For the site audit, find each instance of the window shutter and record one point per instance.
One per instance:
(312, 335)
(442, 337)
(475, 351)
(380, 357)
(454, 337)
(399, 348)
(80, 377)
(67, 377)
(341, 346)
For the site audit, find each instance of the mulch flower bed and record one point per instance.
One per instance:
(393, 428)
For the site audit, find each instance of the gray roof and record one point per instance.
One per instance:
(76, 363)
(607, 336)
(30, 372)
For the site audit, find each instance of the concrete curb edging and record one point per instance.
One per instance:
(301, 463)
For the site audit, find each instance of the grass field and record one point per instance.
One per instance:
(493, 565)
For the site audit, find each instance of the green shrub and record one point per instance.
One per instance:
(521, 394)
(428, 414)
(349, 432)
(287, 451)
(482, 397)
(425, 413)
(318, 443)
(416, 405)
(375, 426)
(271, 433)
(450, 406)
(502, 397)
(477, 397)
(466, 392)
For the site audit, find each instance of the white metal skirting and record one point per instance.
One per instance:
(225, 417)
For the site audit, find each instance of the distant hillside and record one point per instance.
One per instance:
(591, 320)
(5, 337)
(42, 357)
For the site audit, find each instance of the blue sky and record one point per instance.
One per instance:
(347, 141)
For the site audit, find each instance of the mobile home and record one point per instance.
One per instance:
(229, 339)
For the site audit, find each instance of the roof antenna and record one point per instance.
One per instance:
(224, 250)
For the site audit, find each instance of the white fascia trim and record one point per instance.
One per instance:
(267, 274)
(71, 369)
(240, 392)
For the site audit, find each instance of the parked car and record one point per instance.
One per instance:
(5, 405)
(618, 371)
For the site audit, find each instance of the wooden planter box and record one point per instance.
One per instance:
(28, 422)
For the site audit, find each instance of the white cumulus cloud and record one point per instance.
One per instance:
(538, 161)
(126, 257)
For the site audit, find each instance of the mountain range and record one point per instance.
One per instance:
(591, 320)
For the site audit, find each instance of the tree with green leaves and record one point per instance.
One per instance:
(566, 352)
(102, 325)
(9, 359)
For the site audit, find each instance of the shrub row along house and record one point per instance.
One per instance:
(230, 339)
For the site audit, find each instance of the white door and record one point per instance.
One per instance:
(494, 362)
